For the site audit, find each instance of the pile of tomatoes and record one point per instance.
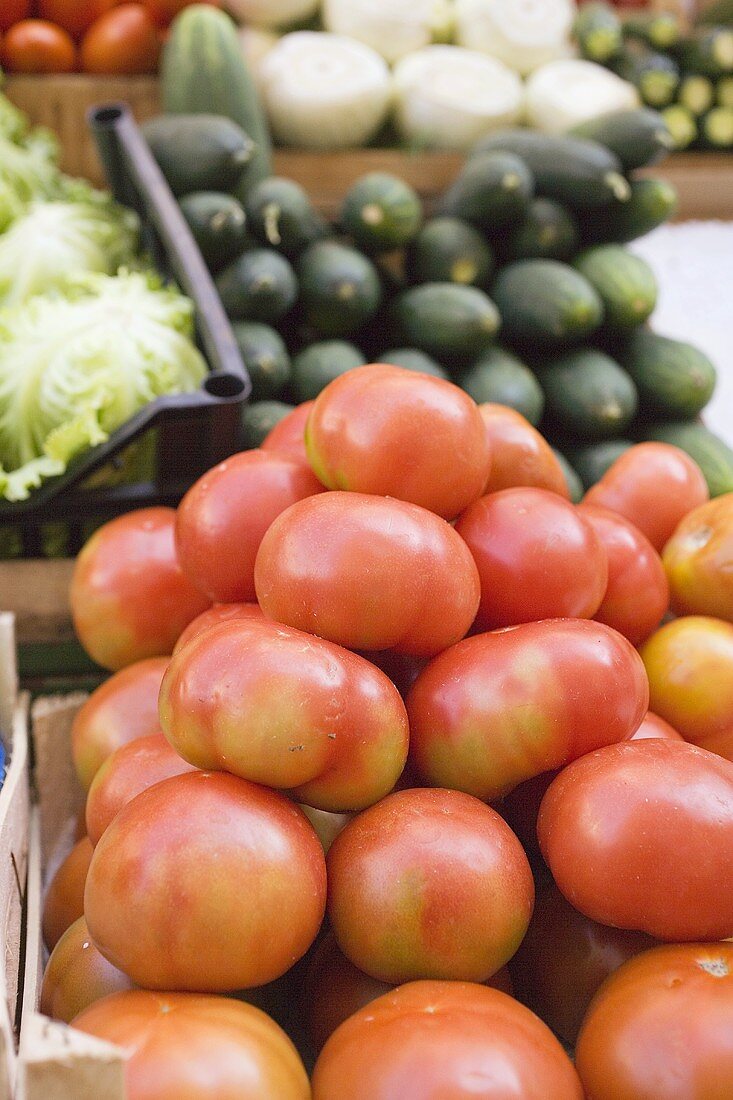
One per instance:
(377, 807)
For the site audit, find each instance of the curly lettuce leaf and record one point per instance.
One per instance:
(28, 171)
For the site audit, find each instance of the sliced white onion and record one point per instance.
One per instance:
(272, 13)
(566, 93)
(522, 33)
(393, 28)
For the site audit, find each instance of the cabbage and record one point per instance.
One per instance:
(74, 368)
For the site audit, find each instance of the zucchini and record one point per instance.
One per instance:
(448, 321)
(493, 190)
(548, 231)
(597, 31)
(218, 224)
(588, 395)
(660, 29)
(624, 282)
(724, 91)
(682, 125)
(281, 216)
(716, 128)
(412, 359)
(655, 75)
(674, 379)
(696, 93)
(546, 304)
(448, 250)
(259, 286)
(258, 420)
(381, 212)
(592, 461)
(319, 364)
(203, 71)
(265, 357)
(709, 51)
(201, 152)
(499, 377)
(572, 479)
(573, 170)
(638, 137)
(708, 450)
(652, 203)
(339, 288)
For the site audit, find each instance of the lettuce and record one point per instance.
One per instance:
(29, 172)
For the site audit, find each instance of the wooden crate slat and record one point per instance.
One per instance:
(37, 592)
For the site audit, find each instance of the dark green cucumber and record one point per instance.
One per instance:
(674, 379)
(716, 128)
(546, 304)
(709, 51)
(265, 357)
(624, 282)
(572, 479)
(339, 288)
(660, 29)
(588, 395)
(319, 364)
(201, 152)
(259, 286)
(696, 93)
(281, 215)
(493, 190)
(597, 30)
(381, 212)
(412, 359)
(682, 125)
(499, 377)
(592, 461)
(448, 250)
(652, 203)
(575, 171)
(218, 224)
(548, 231)
(655, 75)
(724, 91)
(258, 420)
(708, 450)
(448, 321)
(638, 137)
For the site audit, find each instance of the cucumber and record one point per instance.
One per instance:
(682, 125)
(413, 359)
(637, 137)
(258, 420)
(624, 282)
(573, 170)
(259, 286)
(597, 31)
(588, 395)
(202, 152)
(448, 250)
(674, 379)
(319, 364)
(708, 450)
(709, 51)
(203, 71)
(381, 212)
(724, 91)
(265, 357)
(696, 93)
(572, 479)
(547, 231)
(499, 377)
(281, 216)
(218, 224)
(718, 13)
(661, 29)
(652, 203)
(339, 287)
(493, 190)
(655, 75)
(448, 321)
(592, 461)
(716, 128)
(546, 304)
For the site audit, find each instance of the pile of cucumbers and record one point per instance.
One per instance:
(518, 286)
(688, 76)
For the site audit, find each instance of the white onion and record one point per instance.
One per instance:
(566, 93)
(391, 27)
(522, 33)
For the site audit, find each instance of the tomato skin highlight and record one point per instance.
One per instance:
(520, 456)
(77, 975)
(698, 561)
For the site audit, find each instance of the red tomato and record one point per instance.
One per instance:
(64, 901)
(219, 613)
(654, 726)
(222, 519)
(119, 710)
(164, 900)
(654, 485)
(637, 594)
(699, 561)
(519, 454)
(288, 435)
(537, 557)
(369, 573)
(75, 16)
(13, 11)
(279, 707)
(640, 835)
(563, 960)
(500, 708)
(181, 1045)
(661, 1027)
(129, 770)
(76, 975)
(123, 41)
(130, 599)
(35, 46)
(452, 1040)
(163, 11)
(391, 432)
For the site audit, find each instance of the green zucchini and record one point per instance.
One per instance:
(660, 29)
(218, 224)
(681, 124)
(724, 91)
(572, 479)
(709, 51)
(339, 288)
(652, 203)
(202, 152)
(413, 359)
(319, 364)
(708, 450)
(597, 30)
(655, 75)
(499, 377)
(696, 93)
(546, 304)
(593, 460)
(493, 190)
(624, 282)
(265, 357)
(448, 250)
(716, 128)
(281, 216)
(381, 212)
(674, 379)
(588, 395)
(448, 321)
(258, 420)
(638, 137)
(259, 286)
(548, 231)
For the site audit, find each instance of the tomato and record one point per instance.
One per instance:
(288, 435)
(563, 960)
(690, 667)
(36, 46)
(76, 975)
(119, 710)
(164, 11)
(279, 707)
(654, 726)
(661, 1027)
(429, 884)
(13, 11)
(522, 805)
(519, 454)
(129, 770)
(537, 557)
(222, 519)
(451, 1040)
(637, 594)
(368, 572)
(181, 1045)
(390, 432)
(327, 825)
(75, 16)
(164, 896)
(219, 613)
(699, 561)
(640, 836)
(123, 41)
(654, 485)
(500, 708)
(64, 901)
(130, 599)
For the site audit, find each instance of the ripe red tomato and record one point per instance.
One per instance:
(163, 898)
(13, 11)
(654, 485)
(620, 825)
(537, 557)
(654, 726)
(222, 519)
(183, 1045)
(388, 431)
(500, 708)
(698, 561)
(119, 710)
(77, 975)
(368, 572)
(661, 1027)
(219, 613)
(75, 16)
(123, 41)
(279, 707)
(519, 454)
(637, 594)
(64, 902)
(456, 1040)
(36, 46)
(288, 435)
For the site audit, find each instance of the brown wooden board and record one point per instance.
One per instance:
(37, 592)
